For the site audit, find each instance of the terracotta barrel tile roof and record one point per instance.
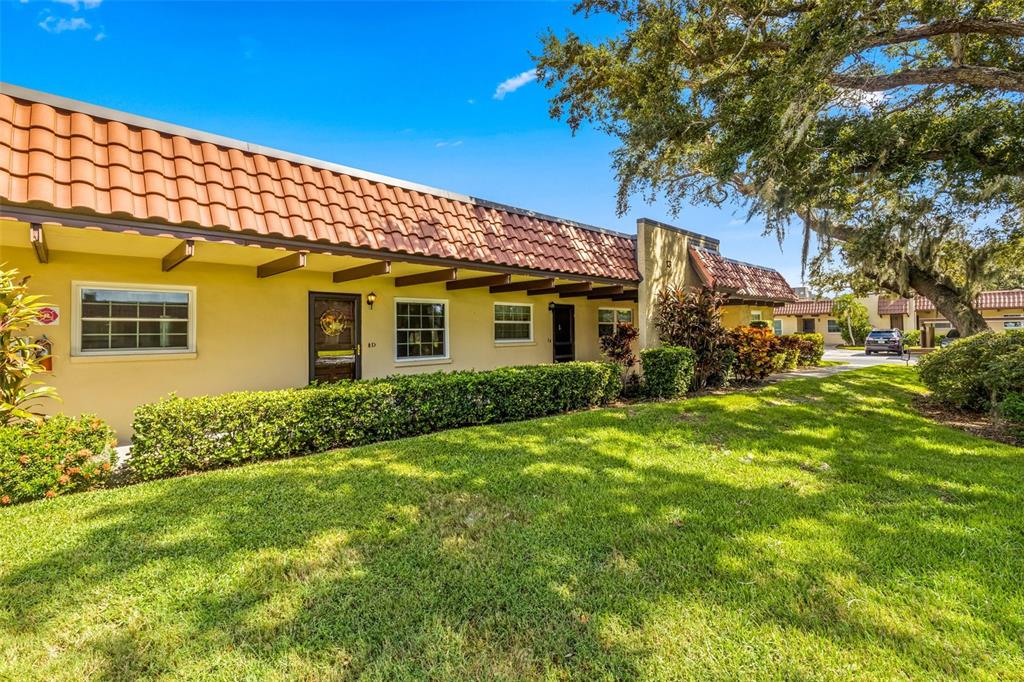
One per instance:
(69, 160)
(817, 307)
(893, 306)
(739, 279)
(987, 300)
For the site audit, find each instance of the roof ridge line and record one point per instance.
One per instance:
(168, 128)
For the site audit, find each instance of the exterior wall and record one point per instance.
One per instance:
(994, 318)
(738, 315)
(791, 324)
(664, 263)
(253, 333)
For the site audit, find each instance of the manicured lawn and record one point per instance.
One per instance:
(816, 529)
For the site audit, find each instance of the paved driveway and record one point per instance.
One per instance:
(854, 359)
(857, 358)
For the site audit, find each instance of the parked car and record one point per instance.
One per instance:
(949, 338)
(884, 341)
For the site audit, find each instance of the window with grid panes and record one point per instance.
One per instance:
(421, 329)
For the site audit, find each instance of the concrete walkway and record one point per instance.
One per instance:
(854, 359)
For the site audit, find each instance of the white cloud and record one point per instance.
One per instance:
(456, 143)
(52, 24)
(736, 221)
(514, 83)
(76, 4)
(101, 35)
(857, 99)
(471, 101)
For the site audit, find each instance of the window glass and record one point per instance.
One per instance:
(123, 320)
(513, 322)
(608, 317)
(1013, 324)
(777, 327)
(421, 329)
(833, 326)
(755, 315)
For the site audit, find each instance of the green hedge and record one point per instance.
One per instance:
(181, 435)
(668, 370)
(976, 372)
(60, 455)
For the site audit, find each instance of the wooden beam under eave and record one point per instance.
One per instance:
(360, 271)
(38, 239)
(542, 292)
(178, 255)
(293, 261)
(605, 292)
(445, 275)
(627, 296)
(574, 294)
(573, 287)
(527, 285)
(485, 281)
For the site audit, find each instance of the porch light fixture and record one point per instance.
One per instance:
(371, 298)
(551, 306)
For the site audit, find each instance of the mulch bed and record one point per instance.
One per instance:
(977, 423)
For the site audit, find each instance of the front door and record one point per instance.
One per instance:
(334, 352)
(896, 322)
(807, 325)
(563, 332)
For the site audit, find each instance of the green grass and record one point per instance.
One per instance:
(815, 529)
(832, 363)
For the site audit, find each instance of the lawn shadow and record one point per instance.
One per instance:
(550, 547)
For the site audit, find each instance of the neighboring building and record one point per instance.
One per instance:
(179, 261)
(1002, 310)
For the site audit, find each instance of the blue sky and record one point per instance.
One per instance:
(407, 90)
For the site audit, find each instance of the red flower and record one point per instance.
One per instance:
(63, 480)
(24, 459)
(51, 493)
(6, 499)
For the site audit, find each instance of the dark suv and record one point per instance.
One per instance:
(884, 341)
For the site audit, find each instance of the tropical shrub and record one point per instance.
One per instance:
(912, 337)
(618, 346)
(755, 349)
(54, 456)
(810, 347)
(19, 360)
(668, 370)
(852, 317)
(692, 319)
(976, 372)
(181, 435)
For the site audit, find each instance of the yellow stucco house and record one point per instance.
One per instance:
(1002, 310)
(179, 261)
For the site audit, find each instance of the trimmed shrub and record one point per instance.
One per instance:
(755, 350)
(1012, 408)
(812, 349)
(181, 435)
(56, 456)
(975, 372)
(668, 370)
(912, 337)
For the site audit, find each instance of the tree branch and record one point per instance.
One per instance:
(992, 27)
(977, 76)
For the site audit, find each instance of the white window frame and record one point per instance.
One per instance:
(496, 321)
(1013, 324)
(839, 327)
(76, 319)
(615, 317)
(756, 316)
(447, 335)
(777, 326)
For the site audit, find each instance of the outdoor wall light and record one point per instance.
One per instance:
(551, 306)
(371, 298)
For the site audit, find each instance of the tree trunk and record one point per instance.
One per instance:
(948, 301)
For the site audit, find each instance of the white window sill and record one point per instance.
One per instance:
(416, 362)
(501, 344)
(130, 357)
